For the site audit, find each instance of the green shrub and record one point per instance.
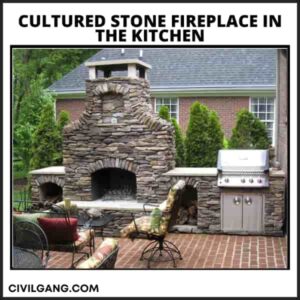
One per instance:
(204, 137)
(216, 137)
(164, 113)
(47, 139)
(179, 142)
(44, 139)
(249, 132)
(63, 119)
(225, 143)
(22, 146)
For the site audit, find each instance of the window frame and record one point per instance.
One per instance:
(170, 98)
(266, 120)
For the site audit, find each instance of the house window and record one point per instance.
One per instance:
(263, 108)
(171, 103)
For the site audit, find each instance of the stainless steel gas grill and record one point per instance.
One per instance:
(243, 168)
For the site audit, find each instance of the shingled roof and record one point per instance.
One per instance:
(189, 68)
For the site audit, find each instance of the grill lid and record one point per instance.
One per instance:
(243, 160)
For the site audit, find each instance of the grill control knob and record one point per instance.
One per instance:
(243, 180)
(251, 180)
(259, 180)
(226, 180)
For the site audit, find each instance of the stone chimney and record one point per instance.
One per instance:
(119, 148)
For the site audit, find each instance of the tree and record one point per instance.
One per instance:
(164, 113)
(216, 137)
(179, 141)
(22, 146)
(44, 66)
(63, 119)
(249, 132)
(45, 139)
(204, 137)
(33, 71)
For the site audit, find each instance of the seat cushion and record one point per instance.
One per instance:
(58, 230)
(167, 205)
(100, 254)
(84, 239)
(144, 226)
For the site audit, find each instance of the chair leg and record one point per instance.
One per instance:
(162, 246)
(152, 257)
(172, 247)
(148, 249)
(92, 245)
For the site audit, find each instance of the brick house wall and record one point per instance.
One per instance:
(74, 106)
(226, 107)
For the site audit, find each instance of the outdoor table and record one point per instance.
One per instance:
(26, 259)
(98, 223)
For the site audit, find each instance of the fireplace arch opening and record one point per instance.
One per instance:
(50, 192)
(113, 184)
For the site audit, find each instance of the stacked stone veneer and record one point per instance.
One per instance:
(274, 208)
(118, 129)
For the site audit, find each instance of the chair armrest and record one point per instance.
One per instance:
(148, 203)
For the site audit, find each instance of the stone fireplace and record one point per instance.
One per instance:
(119, 149)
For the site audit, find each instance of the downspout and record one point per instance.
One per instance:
(276, 107)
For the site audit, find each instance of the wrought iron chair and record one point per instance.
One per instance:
(30, 246)
(85, 236)
(159, 249)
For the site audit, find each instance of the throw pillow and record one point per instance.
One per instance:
(58, 230)
(155, 220)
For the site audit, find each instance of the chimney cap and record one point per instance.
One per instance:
(117, 62)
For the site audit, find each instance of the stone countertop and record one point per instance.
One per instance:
(276, 173)
(110, 205)
(57, 170)
(193, 172)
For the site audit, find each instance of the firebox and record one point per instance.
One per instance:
(113, 184)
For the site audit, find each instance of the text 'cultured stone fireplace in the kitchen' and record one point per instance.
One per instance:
(119, 149)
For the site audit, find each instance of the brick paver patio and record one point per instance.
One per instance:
(200, 251)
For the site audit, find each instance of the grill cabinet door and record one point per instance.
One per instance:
(232, 216)
(252, 212)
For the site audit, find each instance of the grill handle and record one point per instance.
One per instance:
(237, 200)
(248, 200)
